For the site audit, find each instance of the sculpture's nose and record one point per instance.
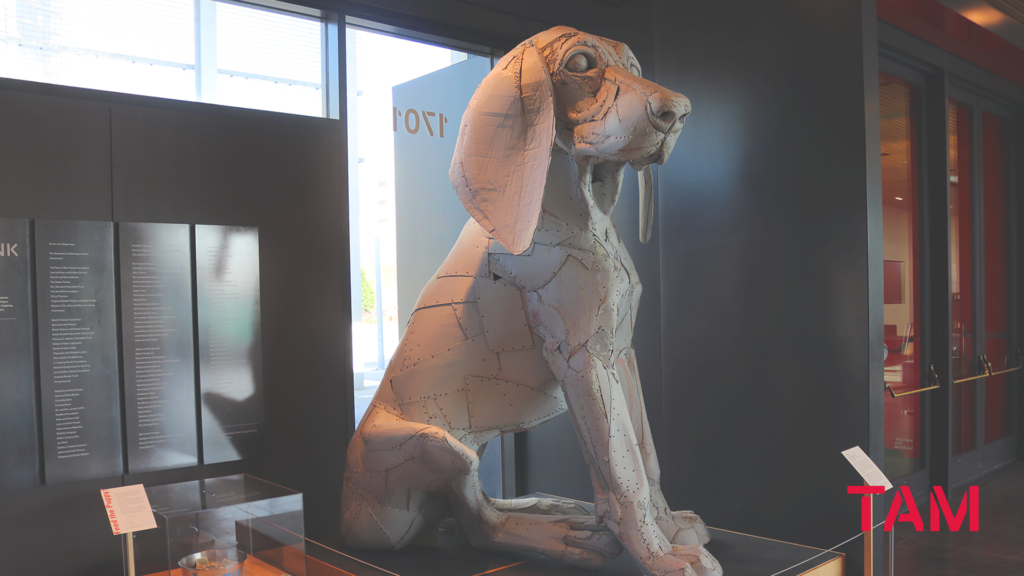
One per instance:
(667, 110)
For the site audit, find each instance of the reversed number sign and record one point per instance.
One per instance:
(412, 121)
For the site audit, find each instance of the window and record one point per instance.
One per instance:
(405, 104)
(377, 64)
(198, 50)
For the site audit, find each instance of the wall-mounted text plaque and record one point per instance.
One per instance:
(230, 370)
(78, 350)
(157, 346)
(19, 444)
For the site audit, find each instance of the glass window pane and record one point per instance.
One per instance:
(248, 57)
(961, 274)
(268, 60)
(997, 401)
(376, 64)
(135, 47)
(903, 437)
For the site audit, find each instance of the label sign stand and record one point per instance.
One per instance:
(872, 476)
(131, 553)
(869, 541)
(128, 511)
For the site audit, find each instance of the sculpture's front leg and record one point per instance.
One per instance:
(577, 315)
(681, 526)
(623, 496)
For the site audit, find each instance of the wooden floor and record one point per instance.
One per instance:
(997, 549)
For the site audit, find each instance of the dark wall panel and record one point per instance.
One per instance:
(765, 256)
(20, 447)
(55, 164)
(54, 157)
(79, 374)
(71, 514)
(228, 322)
(157, 346)
(287, 179)
(189, 163)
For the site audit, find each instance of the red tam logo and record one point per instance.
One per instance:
(968, 508)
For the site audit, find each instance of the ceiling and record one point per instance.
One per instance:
(1004, 18)
(1012, 8)
(896, 99)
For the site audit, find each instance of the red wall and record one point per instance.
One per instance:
(947, 29)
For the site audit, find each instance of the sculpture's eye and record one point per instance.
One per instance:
(578, 63)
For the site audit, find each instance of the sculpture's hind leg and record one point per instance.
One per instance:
(394, 480)
(403, 476)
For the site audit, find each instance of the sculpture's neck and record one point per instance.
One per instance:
(582, 195)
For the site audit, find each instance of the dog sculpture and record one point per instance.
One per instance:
(532, 314)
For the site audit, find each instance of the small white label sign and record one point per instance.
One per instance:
(128, 509)
(866, 467)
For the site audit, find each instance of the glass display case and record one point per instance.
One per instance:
(225, 526)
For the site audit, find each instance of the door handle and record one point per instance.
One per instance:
(1020, 363)
(932, 377)
(986, 367)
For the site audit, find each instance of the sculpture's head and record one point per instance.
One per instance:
(564, 88)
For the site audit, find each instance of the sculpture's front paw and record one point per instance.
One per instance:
(677, 563)
(576, 540)
(686, 560)
(587, 538)
(685, 528)
(706, 564)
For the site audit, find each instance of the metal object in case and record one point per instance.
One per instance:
(214, 563)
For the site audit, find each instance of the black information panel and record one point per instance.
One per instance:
(19, 444)
(78, 350)
(230, 370)
(157, 346)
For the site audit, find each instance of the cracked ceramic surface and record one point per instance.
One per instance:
(530, 315)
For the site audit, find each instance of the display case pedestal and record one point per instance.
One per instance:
(448, 555)
(739, 554)
(240, 513)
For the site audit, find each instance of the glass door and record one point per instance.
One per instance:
(904, 409)
(984, 346)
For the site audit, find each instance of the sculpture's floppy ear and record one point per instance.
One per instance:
(504, 148)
